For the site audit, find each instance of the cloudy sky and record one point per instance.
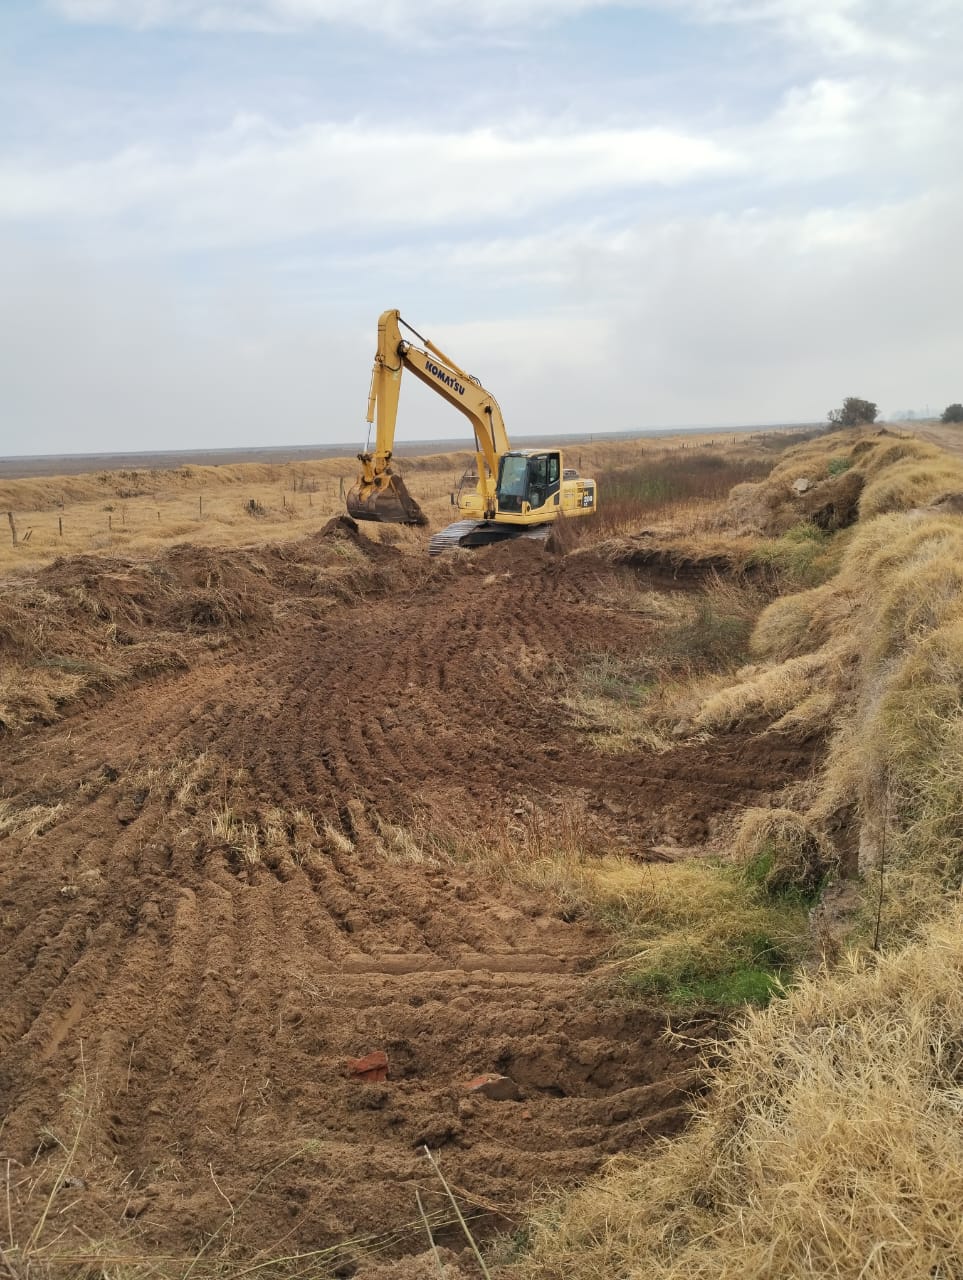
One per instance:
(616, 213)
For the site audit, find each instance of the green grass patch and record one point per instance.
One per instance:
(687, 987)
(747, 968)
(623, 682)
(698, 933)
(804, 556)
(836, 466)
(765, 874)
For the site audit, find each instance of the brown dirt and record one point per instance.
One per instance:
(213, 919)
(948, 436)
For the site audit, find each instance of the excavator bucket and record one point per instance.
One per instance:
(387, 500)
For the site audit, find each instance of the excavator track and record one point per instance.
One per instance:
(482, 533)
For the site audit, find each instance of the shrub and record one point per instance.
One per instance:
(854, 413)
(836, 466)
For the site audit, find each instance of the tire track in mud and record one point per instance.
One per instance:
(214, 924)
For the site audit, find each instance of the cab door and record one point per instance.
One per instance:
(544, 479)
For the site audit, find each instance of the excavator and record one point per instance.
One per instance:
(518, 493)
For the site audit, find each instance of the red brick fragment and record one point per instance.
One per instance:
(498, 1088)
(372, 1069)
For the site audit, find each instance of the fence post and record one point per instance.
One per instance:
(60, 525)
(13, 527)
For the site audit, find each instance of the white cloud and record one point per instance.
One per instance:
(861, 128)
(714, 318)
(888, 29)
(709, 318)
(841, 27)
(259, 183)
(430, 19)
(595, 277)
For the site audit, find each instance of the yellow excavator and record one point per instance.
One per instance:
(519, 492)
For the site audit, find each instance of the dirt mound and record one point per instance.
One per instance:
(87, 624)
(211, 901)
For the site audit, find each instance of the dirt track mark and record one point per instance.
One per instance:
(211, 927)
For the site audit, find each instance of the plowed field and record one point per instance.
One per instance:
(211, 900)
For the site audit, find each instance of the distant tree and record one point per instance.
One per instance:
(854, 413)
(952, 413)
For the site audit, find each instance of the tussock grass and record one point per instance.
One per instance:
(831, 1145)
(874, 659)
(851, 475)
(871, 658)
(803, 556)
(785, 697)
(909, 484)
(783, 853)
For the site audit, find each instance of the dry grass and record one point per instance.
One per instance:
(137, 513)
(609, 699)
(674, 486)
(875, 660)
(851, 474)
(535, 843)
(831, 1145)
(690, 640)
(28, 820)
(687, 934)
(782, 851)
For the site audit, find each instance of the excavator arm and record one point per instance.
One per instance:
(380, 494)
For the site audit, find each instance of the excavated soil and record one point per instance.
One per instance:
(208, 907)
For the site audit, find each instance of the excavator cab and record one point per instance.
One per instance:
(528, 478)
